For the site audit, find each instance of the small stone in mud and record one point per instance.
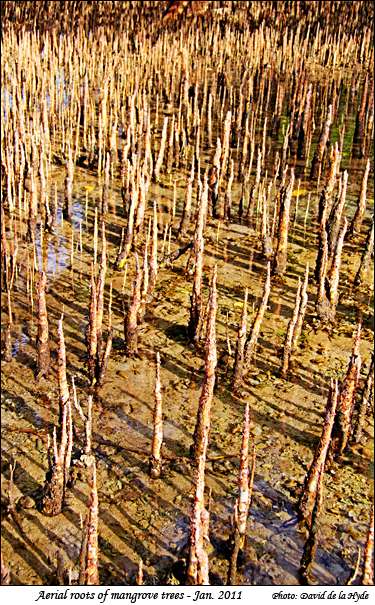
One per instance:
(180, 466)
(39, 445)
(26, 502)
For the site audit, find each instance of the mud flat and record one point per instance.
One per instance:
(142, 149)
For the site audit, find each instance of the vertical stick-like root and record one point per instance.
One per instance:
(368, 563)
(240, 347)
(145, 281)
(196, 297)
(302, 311)
(356, 223)
(320, 148)
(186, 211)
(68, 197)
(5, 573)
(139, 578)
(213, 184)
(368, 252)
(266, 238)
(280, 258)
(334, 221)
(228, 194)
(334, 273)
(316, 470)
(204, 407)
(157, 437)
(91, 333)
(323, 308)
(343, 422)
(42, 342)
(154, 253)
(242, 505)
(59, 466)
(125, 249)
(163, 141)
(59, 462)
(102, 361)
(100, 284)
(287, 352)
(8, 331)
(197, 572)
(311, 542)
(131, 318)
(364, 404)
(64, 395)
(89, 571)
(252, 339)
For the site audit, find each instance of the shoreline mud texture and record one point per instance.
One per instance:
(187, 293)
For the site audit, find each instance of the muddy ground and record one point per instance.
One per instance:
(149, 519)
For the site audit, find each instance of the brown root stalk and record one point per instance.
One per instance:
(5, 573)
(345, 406)
(197, 572)
(204, 407)
(163, 141)
(322, 303)
(319, 152)
(42, 342)
(125, 249)
(92, 333)
(287, 351)
(131, 318)
(242, 505)
(356, 223)
(334, 221)
(68, 197)
(196, 297)
(186, 211)
(311, 542)
(240, 346)
(228, 194)
(316, 470)
(266, 238)
(364, 404)
(368, 252)
(213, 184)
(252, 339)
(157, 437)
(100, 284)
(154, 252)
(334, 272)
(302, 311)
(280, 258)
(105, 358)
(86, 419)
(368, 563)
(59, 466)
(324, 205)
(64, 395)
(243, 502)
(89, 570)
(139, 578)
(145, 282)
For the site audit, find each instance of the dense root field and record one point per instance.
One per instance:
(141, 149)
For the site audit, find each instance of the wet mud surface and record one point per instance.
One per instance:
(149, 519)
